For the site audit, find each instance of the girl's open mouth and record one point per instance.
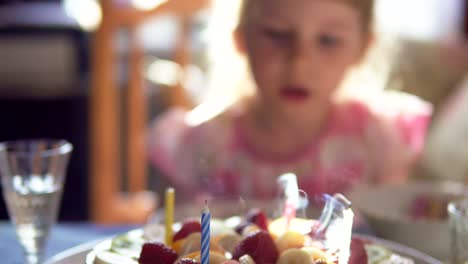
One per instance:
(294, 93)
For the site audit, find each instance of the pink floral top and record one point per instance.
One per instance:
(356, 146)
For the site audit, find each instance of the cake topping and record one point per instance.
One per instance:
(157, 253)
(260, 246)
(295, 256)
(187, 261)
(189, 227)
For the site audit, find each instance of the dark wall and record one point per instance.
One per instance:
(28, 109)
(60, 118)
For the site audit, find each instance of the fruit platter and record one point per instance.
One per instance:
(250, 239)
(253, 236)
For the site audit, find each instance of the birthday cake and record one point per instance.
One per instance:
(287, 237)
(251, 239)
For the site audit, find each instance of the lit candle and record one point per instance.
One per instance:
(205, 236)
(169, 214)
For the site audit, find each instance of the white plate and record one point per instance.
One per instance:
(418, 257)
(386, 210)
(75, 255)
(85, 253)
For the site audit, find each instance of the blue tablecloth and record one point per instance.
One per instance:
(63, 236)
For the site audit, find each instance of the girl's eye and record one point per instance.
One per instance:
(278, 36)
(328, 41)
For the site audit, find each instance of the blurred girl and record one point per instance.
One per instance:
(298, 53)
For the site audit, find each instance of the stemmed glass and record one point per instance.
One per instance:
(32, 175)
(458, 223)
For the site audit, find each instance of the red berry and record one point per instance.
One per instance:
(260, 246)
(254, 216)
(189, 227)
(157, 253)
(187, 261)
(358, 252)
(258, 217)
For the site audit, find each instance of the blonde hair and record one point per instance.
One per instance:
(228, 74)
(365, 8)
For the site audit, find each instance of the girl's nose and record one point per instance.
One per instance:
(299, 61)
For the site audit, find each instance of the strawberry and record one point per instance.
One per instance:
(189, 227)
(260, 246)
(358, 252)
(258, 217)
(157, 252)
(254, 216)
(187, 261)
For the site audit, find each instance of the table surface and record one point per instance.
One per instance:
(63, 236)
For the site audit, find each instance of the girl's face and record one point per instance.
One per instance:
(300, 50)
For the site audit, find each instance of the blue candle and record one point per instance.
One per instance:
(205, 235)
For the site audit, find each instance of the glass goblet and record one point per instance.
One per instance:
(32, 175)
